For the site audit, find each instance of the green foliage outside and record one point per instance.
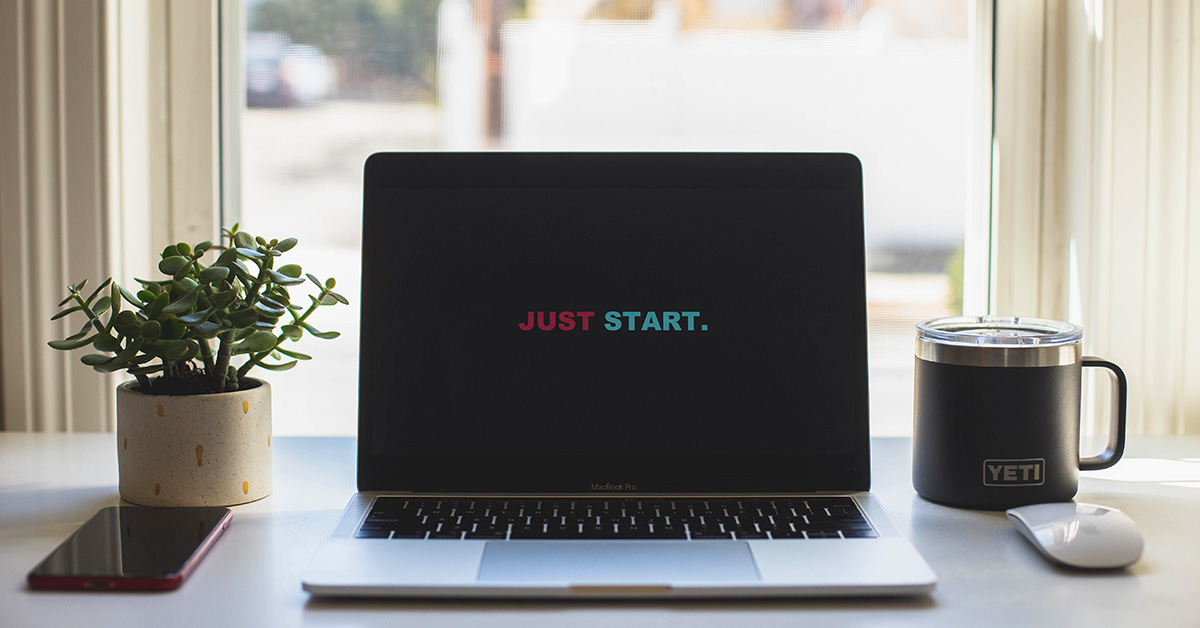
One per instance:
(954, 272)
(188, 328)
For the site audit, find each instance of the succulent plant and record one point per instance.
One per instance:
(188, 328)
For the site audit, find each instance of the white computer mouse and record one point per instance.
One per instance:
(1086, 536)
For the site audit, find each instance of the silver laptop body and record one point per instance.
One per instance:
(613, 332)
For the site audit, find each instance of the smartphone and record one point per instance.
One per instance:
(132, 548)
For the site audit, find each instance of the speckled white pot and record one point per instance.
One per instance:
(194, 450)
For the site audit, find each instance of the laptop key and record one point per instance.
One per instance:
(705, 535)
(373, 534)
(489, 534)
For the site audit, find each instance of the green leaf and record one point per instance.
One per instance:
(151, 329)
(313, 278)
(160, 303)
(102, 305)
(66, 312)
(106, 343)
(92, 359)
(115, 297)
(183, 285)
(144, 297)
(243, 240)
(183, 271)
(196, 317)
(173, 329)
(251, 253)
(330, 283)
(172, 350)
(127, 318)
(171, 264)
(279, 294)
(271, 303)
(184, 303)
(98, 289)
(202, 247)
(242, 274)
(207, 329)
(184, 249)
(323, 335)
(295, 332)
(293, 354)
(242, 318)
(341, 299)
(223, 299)
(141, 358)
(67, 345)
(257, 342)
(70, 297)
(291, 270)
(286, 244)
(170, 251)
(279, 367)
(268, 325)
(283, 279)
(265, 310)
(227, 257)
(146, 370)
(87, 328)
(213, 274)
(127, 354)
(152, 286)
(328, 299)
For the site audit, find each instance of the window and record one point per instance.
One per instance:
(328, 83)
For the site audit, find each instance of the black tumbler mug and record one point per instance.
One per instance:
(996, 411)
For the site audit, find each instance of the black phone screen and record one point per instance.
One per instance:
(132, 542)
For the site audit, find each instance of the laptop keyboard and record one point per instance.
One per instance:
(799, 518)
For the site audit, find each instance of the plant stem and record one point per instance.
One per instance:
(207, 356)
(224, 351)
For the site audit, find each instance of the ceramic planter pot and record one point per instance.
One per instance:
(194, 450)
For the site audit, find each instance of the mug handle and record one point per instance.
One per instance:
(1116, 429)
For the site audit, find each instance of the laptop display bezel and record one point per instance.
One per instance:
(613, 474)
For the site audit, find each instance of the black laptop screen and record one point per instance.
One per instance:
(584, 324)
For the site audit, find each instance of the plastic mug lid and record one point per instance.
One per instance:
(1005, 331)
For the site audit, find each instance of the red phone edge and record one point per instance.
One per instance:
(89, 583)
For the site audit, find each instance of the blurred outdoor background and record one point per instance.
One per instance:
(328, 82)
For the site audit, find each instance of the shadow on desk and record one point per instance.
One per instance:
(27, 507)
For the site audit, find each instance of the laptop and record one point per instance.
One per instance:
(614, 375)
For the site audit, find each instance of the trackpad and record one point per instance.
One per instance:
(623, 562)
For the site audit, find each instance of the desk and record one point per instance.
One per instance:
(51, 483)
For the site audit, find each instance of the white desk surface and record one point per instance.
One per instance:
(989, 575)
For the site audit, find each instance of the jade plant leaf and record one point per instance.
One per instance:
(257, 342)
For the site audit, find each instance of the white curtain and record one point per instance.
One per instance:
(1103, 139)
(54, 219)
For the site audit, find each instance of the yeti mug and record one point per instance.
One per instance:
(996, 411)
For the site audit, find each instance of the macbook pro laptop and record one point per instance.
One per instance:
(614, 375)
